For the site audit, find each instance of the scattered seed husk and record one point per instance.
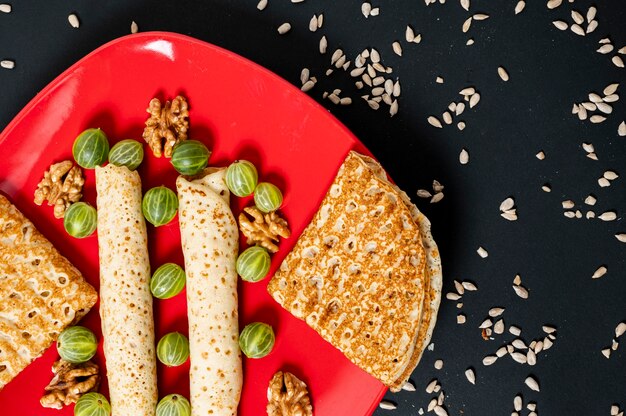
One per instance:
(610, 175)
(495, 312)
(466, 25)
(517, 403)
(487, 323)
(440, 411)
(568, 204)
(465, 4)
(7, 64)
(614, 345)
(548, 329)
(397, 48)
(471, 376)
(520, 6)
(595, 98)
(577, 17)
(284, 28)
(320, 20)
(498, 327)
(541, 155)
(467, 91)
(610, 89)
(375, 11)
(621, 129)
(408, 386)
(610, 98)
(396, 89)
(437, 186)
(307, 86)
(461, 125)
(520, 291)
(464, 157)
(459, 287)
(608, 216)
(553, 4)
(423, 193)
(323, 44)
(73, 20)
(604, 182)
(469, 42)
(393, 108)
(480, 16)
(589, 106)
(501, 352)
(620, 329)
(432, 404)
(588, 147)
(606, 352)
(387, 405)
(5, 8)
(474, 100)
(591, 13)
(460, 319)
(439, 80)
(503, 74)
(546, 188)
(604, 49)
(134, 28)
(582, 114)
(593, 25)
(622, 50)
(614, 410)
(561, 25)
(621, 237)
(532, 383)
(345, 101)
(434, 121)
(577, 29)
(507, 204)
(366, 9)
(597, 118)
(518, 357)
(482, 252)
(436, 198)
(517, 280)
(313, 23)
(618, 61)
(430, 388)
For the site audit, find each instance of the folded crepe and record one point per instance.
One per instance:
(125, 298)
(209, 236)
(41, 293)
(365, 273)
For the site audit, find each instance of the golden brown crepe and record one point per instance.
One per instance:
(365, 273)
(210, 241)
(125, 297)
(41, 293)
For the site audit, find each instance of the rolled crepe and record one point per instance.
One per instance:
(209, 236)
(125, 298)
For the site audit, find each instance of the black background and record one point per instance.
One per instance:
(549, 71)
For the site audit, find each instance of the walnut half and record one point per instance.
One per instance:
(70, 381)
(167, 125)
(61, 186)
(265, 229)
(288, 396)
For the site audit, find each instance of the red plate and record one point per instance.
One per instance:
(239, 110)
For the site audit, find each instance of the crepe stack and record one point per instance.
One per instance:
(41, 293)
(210, 240)
(365, 273)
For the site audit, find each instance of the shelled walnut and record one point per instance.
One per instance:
(61, 186)
(70, 381)
(167, 125)
(265, 229)
(288, 396)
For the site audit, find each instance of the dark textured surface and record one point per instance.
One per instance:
(549, 70)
